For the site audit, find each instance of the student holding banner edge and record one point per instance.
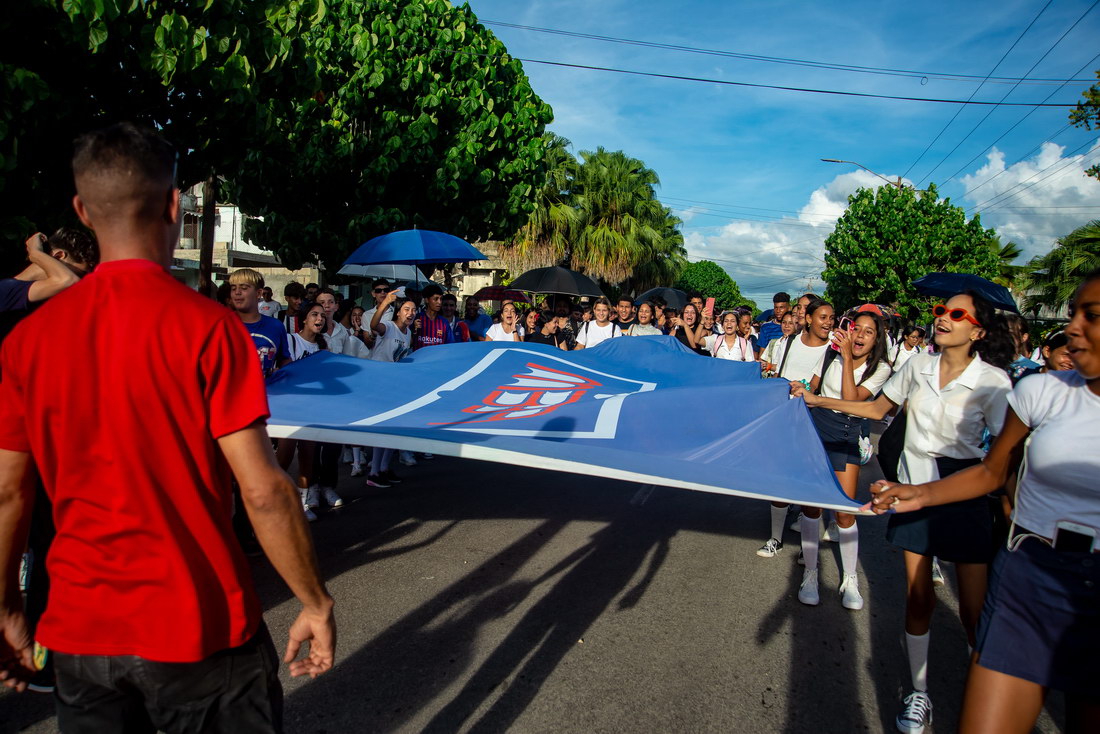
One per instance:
(1038, 627)
(953, 397)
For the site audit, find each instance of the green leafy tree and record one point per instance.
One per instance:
(202, 71)
(712, 281)
(1087, 115)
(422, 120)
(889, 237)
(1051, 280)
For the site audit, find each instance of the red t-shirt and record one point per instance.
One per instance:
(121, 408)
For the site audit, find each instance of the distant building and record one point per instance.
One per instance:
(231, 250)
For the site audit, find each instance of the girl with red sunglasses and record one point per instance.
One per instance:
(1039, 626)
(952, 397)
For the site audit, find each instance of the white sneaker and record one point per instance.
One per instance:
(937, 573)
(770, 549)
(357, 470)
(832, 533)
(406, 458)
(313, 497)
(796, 526)
(807, 592)
(849, 593)
(916, 715)
(332, 499)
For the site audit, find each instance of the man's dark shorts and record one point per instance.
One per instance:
(235, 690)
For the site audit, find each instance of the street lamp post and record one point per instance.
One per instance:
(897, 183)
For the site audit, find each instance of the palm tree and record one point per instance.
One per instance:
(1006, 254)
(1050, 280)
(545, 239)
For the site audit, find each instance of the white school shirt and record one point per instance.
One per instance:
(803, 362)
(902, 355)
(1062, 461)
(591, 333)
(496, 333)
(832, 383)
(270, 308)
(946, 422)
(392, 345)
(741, 351)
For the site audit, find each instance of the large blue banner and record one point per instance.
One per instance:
(642, 409)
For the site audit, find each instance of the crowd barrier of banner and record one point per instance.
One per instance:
(642, 409)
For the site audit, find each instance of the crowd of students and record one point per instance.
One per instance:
(960, 414)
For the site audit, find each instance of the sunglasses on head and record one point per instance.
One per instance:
(955, 314)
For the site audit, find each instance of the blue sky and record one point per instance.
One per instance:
(742, 166)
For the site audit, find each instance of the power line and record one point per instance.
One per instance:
(1061, 170)
(1050, 138)
(1010, 91)
(960, 109)
(729, 83)
(966, 165)
(922, 75)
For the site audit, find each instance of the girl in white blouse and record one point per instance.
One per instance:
(1039, 627)
(953, 397)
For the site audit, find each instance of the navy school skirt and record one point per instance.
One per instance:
(961, 532)
(839, 435)
(1041, 618)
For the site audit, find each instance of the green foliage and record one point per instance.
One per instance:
(889, 237)
(421, 119)
(1087, 115)
(601, 216)
(1051, 280)
(203, 71)
(1007, 272)
(711, 280)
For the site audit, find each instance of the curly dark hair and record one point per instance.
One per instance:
(80, 244)
(997, 347)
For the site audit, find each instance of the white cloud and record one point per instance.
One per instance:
(1037, 200)
(785, 254)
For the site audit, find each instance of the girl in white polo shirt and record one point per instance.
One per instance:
(1040, 626)
(953, 396)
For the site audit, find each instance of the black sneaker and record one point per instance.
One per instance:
(771, 548)
(390, 477)
(43, 681)
(375, 480)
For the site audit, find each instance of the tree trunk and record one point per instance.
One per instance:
(206, 245)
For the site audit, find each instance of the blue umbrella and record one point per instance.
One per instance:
(414, 246)
(946, 285)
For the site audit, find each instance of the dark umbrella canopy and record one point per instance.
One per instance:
(946, 285)
(556, 279)
(414, 246)
(501, 293)
(671, 296)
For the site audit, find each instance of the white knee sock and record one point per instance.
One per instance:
(917, 647)
(779, 519)
(356, 455)
(811, 537)
(849, 549)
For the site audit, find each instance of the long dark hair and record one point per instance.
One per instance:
(878, 353)
(997, 347)
(303, 311)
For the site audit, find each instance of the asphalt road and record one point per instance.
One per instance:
(479, 597)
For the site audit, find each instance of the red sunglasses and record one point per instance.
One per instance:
(955, 314)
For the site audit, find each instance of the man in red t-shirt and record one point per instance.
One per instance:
(152, 617)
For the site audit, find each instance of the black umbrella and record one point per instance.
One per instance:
(671, 296)
(556, 279)
(946, 285)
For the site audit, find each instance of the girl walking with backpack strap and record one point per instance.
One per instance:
(600, 328)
